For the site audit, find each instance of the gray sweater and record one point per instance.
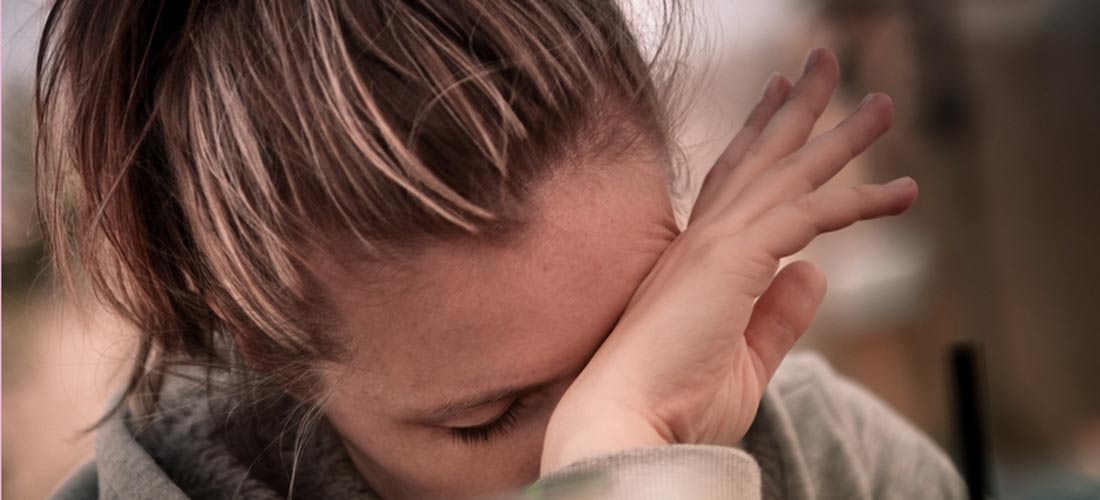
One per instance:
(816, 436)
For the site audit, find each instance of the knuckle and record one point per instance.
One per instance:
(853, 144)
(755, 149)
(756, 269)
(803, 182)
(787, 162)
(864, 193)
(862, 190)
(785, 327)
(805, 205)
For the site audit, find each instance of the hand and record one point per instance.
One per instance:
(700, 339)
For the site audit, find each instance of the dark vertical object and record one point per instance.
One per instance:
(969, 279)
(969, 428)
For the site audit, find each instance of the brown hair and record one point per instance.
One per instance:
(194, 154)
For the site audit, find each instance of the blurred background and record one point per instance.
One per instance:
(999, 121)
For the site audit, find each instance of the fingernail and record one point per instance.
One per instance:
(772, 86)
(866, 100)
(811, 60)
(901, 181)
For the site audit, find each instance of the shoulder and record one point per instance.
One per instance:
(809, 389)
(839, 429)
(800, 370)
(82, 483)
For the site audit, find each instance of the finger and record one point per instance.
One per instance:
(818, 161)
(794, 121)
(782, 315)
(776, 91)
(787, 131)
(788, 228)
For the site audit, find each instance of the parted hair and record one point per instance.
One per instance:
(194, 156)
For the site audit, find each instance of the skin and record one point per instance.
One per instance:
(621, 330)
(469, 319)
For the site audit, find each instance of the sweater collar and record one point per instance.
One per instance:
(182, 452)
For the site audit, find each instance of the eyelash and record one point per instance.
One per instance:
(486, 432)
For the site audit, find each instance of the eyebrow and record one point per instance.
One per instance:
(462, 404)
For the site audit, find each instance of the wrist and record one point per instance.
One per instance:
(568, 442)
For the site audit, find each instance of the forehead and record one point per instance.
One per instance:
(474, 315)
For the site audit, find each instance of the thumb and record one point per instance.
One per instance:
(783, 313)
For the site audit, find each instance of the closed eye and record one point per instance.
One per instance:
(497, 428)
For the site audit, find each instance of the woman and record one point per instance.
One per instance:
(417, 249)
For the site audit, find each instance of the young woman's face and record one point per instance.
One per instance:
(460, 356)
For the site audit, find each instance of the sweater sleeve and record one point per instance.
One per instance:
(675, 471)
